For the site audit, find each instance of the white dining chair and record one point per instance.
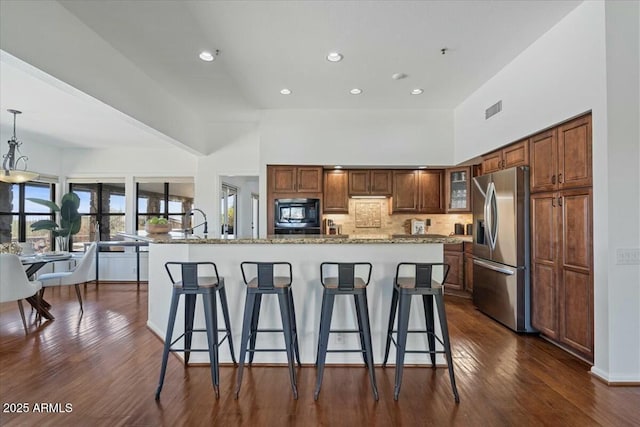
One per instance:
(14, 283)
(81, 273)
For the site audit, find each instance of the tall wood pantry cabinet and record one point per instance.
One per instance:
(562, 236)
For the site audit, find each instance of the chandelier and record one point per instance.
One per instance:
(11, 171)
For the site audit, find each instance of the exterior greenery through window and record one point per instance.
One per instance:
(102, 206)
(17, 214)
(171, 200)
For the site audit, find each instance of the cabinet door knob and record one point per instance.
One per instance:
(553, 179)
(553, 202)
(559, 201)
(560, 178)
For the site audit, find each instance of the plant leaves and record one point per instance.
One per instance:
(73, 197)
(44, 224)
(44, 202)
(68, 212)
(75, 225)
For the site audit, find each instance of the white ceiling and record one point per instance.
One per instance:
(139, 58)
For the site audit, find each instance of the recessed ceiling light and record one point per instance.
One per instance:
(416, 92)
(422, 167)
(337, 167)
(355, 91)
(285, 91)
(334, 57)
(208, 56)
(399, 76)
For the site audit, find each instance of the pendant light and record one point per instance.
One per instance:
(10, 166)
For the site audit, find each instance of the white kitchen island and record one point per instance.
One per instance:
(305, 254)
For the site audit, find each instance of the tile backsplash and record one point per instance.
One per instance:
(365, 218)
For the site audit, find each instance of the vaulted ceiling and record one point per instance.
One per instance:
(110, 73)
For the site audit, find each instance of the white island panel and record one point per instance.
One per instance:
(307, 291)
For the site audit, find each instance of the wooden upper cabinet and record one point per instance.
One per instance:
(418, 191)
(516, 154)
(544, 161)
(381, 182)
(405, 191)
(309, 179)
(458, 189)
(295, 179)
(431, 191)
(491, 162)
(373, 182)
(574, 153)
(335, 197)
(561, 157)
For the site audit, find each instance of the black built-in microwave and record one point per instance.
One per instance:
(297, 216)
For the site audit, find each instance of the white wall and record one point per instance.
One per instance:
(357, 137)
(167, 162)
(623, 189)
(561, 75)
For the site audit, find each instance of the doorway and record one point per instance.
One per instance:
(255, 215)
(228, 210)
(239, 207)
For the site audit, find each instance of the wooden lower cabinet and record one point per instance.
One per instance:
(561, 268)
(468, 267)
(454, 256)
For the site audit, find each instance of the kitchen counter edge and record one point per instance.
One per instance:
(172, 239)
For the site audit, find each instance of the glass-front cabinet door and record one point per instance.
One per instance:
(458, 195)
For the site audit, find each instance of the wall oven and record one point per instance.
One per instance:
(297, 216)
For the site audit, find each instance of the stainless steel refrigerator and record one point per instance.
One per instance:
(501, 267)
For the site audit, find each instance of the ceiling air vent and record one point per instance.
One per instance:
(493, 110)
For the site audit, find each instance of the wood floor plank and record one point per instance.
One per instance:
(105, 363)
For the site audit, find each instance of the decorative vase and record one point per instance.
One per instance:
(62, 242)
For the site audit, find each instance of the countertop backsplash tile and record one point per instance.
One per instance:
(397, 223)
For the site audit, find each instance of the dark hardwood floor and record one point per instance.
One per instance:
(105, 364)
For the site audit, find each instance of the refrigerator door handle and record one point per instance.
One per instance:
(491, 215)
(487, 216)
(493, 267)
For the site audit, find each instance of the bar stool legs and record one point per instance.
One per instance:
(227, 322)
(401, 301)
(345, 278)
(167, 341)
(364, 332)
(250, 330)
(211, 328)
(191, 286)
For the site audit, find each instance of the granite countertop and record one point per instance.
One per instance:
(176, 237)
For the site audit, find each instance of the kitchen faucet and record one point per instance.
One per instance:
(190, 230)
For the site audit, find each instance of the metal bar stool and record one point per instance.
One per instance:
(420, 283)
(190, 286)
(347, 282)
(264, 282)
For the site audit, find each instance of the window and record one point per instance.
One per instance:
(17, 214)
(102, 206)
(171, 200)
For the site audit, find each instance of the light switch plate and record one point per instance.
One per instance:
(627, 256)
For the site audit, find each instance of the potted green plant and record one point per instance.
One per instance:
(70, 219)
